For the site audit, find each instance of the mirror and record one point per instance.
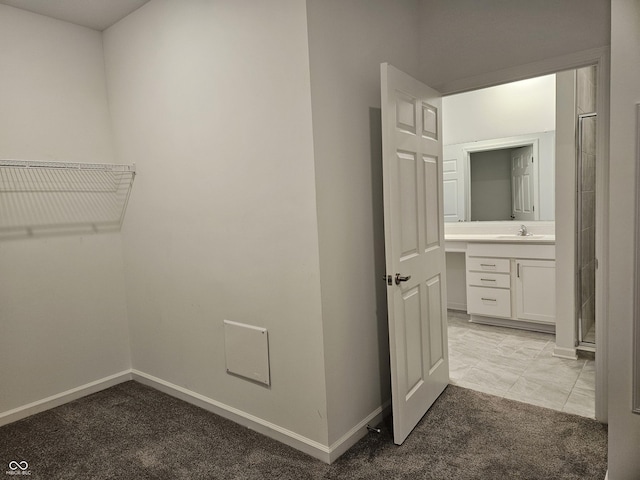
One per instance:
(499, 153)
(509, 178)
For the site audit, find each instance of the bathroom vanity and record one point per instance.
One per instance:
(509, 279)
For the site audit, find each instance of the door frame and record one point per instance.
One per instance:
(599, 57)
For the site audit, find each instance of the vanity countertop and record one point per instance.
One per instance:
(499, 238)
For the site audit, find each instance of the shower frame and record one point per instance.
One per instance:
(581, 344)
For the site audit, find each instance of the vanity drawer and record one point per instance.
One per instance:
(482, 279)
(494, 302)
(486, 264)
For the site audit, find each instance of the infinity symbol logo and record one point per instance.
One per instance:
(13, 465)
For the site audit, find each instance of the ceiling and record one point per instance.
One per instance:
(96, 14)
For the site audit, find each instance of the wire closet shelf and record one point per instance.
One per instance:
(46, 196)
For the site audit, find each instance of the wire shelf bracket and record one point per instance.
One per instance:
(44, 197)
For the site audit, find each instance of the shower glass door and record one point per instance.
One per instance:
(586, 215)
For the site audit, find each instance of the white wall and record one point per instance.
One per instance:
(63, 319)
(512, 109)
(624, 427)
(492, 35)
(565, 173)
(211, 99)
(54, 104)
(347, 42)
(456, 281)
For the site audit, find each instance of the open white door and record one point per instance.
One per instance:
(414, 237)
(523, 184)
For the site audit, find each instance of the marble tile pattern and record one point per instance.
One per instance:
(519, 365)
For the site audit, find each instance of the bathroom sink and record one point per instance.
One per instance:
(521, 237)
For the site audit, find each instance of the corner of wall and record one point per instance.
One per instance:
(345, 94)
(565, 210)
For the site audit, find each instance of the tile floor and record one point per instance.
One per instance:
(519, 365)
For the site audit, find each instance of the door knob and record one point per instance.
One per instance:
(400, 278)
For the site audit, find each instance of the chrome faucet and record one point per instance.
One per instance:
(523, 231)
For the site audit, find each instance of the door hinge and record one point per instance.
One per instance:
(596, 262)
(534, 208)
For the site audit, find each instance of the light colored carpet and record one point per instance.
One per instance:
(132, 431)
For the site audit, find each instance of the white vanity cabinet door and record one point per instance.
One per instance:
(535, 297)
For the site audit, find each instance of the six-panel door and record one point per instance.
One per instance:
(412, 165)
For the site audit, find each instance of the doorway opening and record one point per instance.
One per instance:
(414, 225)
(489, 348)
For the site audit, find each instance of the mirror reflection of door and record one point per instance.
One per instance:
(522, 184)
(502, 184)
(490, 185)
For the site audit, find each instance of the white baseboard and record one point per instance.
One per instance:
(352, 437)
(297, 441)
(327, 454)
(63, 397)
(517, 324)
(457, 306)
(564, 352)
(317, 450)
